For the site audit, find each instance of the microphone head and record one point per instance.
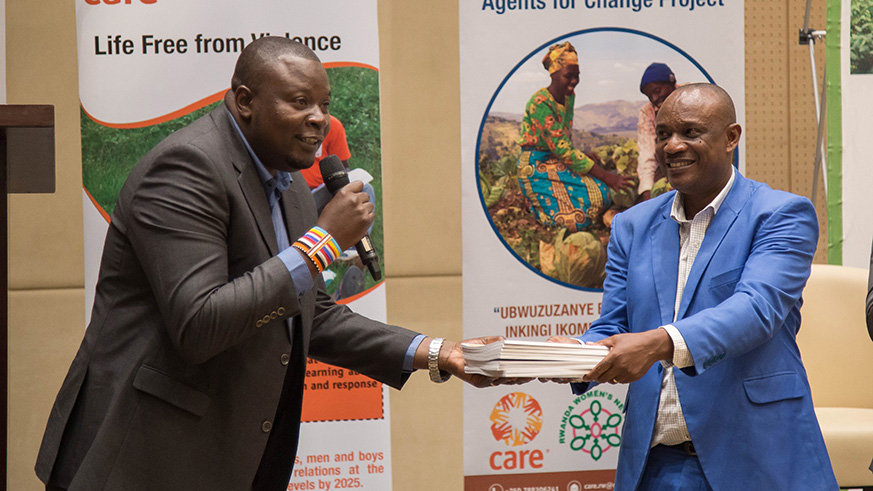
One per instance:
(334, 173)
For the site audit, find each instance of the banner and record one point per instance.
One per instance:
(149, 67)
(3, 52)
(849, 72)
(529, 271)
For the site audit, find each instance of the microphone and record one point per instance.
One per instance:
(335, 177)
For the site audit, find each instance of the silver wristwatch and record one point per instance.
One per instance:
(433, 358)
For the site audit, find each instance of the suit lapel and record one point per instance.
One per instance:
(715, 234)
(251, 187)
(249, 182)
(665, 266)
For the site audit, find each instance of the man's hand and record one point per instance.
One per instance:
(454, 363)
(451, 359)
(630, 356)
(348, 215)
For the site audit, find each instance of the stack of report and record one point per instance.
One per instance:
(516, 358)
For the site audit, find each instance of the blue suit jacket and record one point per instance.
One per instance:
(746, 399)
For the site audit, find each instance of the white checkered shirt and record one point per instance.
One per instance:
(670, 427)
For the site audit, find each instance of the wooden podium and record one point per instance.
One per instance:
(27, 156)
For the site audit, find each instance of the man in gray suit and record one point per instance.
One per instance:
(190, 374)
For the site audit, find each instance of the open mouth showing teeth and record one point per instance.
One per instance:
(311, 141)
(676, 164)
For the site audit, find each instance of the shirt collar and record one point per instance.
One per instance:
(678, 211)
(273, 185)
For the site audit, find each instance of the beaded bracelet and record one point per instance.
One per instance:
(319, 246)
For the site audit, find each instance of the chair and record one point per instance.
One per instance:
(838, 355)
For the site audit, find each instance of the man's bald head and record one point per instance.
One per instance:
(257, 58)
(704, 94)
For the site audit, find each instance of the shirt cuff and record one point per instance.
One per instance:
(298, 269)
(681, 355)
(410, 353)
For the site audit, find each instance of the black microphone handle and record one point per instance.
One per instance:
(368, 256)
(335, 177)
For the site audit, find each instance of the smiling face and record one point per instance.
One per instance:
(564, 81)
(696, 135)
(285, 115)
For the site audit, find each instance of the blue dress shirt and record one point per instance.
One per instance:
(274, 186)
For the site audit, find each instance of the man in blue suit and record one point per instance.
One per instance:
(701, 307)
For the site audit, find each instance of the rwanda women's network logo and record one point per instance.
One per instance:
(516, 419)
(590, 427)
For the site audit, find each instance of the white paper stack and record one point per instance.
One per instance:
(516, 358)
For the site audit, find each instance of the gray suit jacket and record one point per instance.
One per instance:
(187, 350)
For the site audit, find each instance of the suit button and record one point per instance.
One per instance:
(266, 319)
(273, 315)
(259, 323)
(285, 358)
(280, 311)
(266, 426)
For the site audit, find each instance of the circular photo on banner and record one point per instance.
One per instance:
(567, 142)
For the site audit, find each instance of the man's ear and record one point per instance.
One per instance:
(733, 133)
(242, 98)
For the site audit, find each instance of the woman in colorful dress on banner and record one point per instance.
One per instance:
(564, 186)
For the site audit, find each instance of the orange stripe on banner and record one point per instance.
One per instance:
(160, 119)
(337, 64)
(338, 394)
(359, 295)
(97, 205)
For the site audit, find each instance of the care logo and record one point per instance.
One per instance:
(516, 419)
(592, 423)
